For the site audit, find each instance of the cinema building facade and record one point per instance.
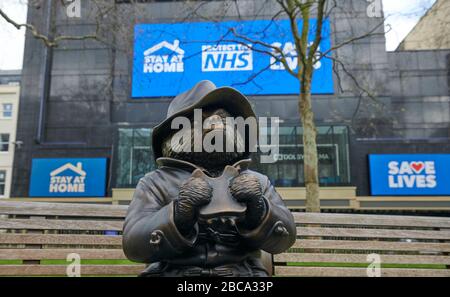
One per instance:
(88, 107)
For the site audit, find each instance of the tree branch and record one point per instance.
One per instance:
(318, 35)
(353, 39)
(277, 53)
(45, 39)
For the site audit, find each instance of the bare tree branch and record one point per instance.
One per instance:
(353, 78)
(31, 28)
(277, 53)
(55, 41)
(318, 33)
(352, 40)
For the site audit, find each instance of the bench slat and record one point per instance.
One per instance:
(37, 224)
(62, 209)
(372, 233)
(372, 245)
(370, 220)
(22, 270)
(59, 239)
(360, 258)
(113, 220)
(54, 254)
(358, 272)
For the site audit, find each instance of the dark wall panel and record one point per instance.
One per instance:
(89, 95)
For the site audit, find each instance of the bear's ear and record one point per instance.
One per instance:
(198, 173)
(231, 171)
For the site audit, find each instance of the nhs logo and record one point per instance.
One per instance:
(83, 177)
(227, 57)
(415, 174)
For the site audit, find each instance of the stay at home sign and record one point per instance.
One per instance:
(68, 177)
(416, 174)
(171, 58)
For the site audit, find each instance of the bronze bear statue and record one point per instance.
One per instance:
(205, 213)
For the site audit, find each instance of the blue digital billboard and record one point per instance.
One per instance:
(414, 174)
(84, 177)
(172, 58)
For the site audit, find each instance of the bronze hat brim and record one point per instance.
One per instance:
(225, 97)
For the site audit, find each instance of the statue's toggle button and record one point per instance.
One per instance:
(281, 230)
(155, 238)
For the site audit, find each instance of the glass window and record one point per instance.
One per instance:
(134, 156)
(7, 110)
(332, 149)
(2, 182)
(4, 142)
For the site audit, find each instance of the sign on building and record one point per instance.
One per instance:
(171, 58)
(68, 177)
(415, 174)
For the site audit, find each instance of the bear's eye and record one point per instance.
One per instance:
(211, 112)
(222, 113)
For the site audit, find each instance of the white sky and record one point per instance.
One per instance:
(402, 15)
(11, 39)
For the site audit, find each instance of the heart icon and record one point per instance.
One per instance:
(417, 166)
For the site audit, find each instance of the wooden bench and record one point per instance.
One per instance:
(35, 239)
(345, 245)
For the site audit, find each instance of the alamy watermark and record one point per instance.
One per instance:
(74, 267)
(374, 9)
(73, 8)
(230, 134)
(374, 268)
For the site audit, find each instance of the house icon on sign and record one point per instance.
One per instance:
(69, 166)
(175, 47)
(68, 179)
(169, 59)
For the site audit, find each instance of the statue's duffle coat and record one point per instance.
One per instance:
(151, 236)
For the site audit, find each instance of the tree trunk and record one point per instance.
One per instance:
(310, 158)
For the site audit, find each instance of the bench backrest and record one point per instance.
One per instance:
(36, 238)
(354, 244)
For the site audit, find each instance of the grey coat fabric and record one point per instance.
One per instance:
(151, 236)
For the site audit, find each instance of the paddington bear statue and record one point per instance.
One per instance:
(205, 213)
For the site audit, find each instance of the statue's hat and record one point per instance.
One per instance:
(203, 94)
